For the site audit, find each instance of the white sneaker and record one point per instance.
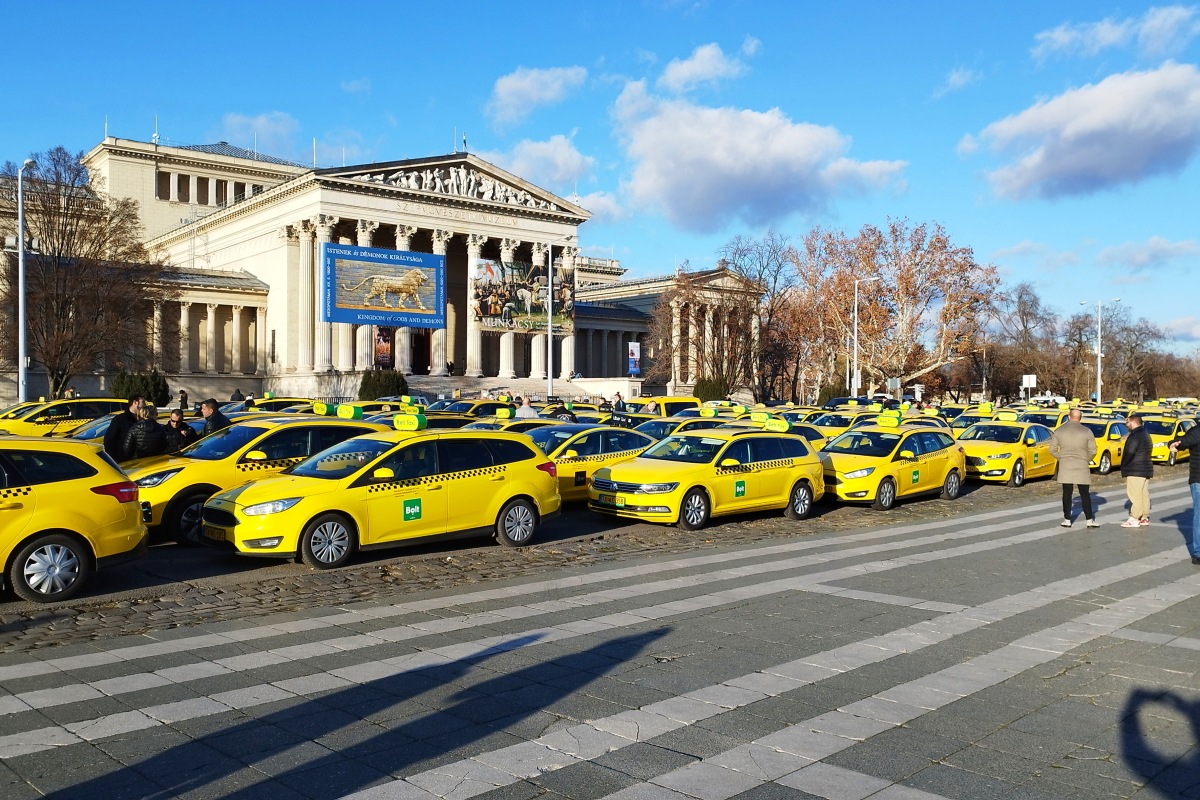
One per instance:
(1092, 523)
(1066, 523)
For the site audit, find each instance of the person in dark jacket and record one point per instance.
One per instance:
(214, 420)
(183, 401)
(146, 438)
(118, 429)
(237, 396)
(1190, 441)
(1137, 469)
(179, 434)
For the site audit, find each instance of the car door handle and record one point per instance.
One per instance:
(11, 506)
(496, 478)
(434, 488)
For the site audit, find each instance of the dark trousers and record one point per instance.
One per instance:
(1085, 498)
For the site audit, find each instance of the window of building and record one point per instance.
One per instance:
(239, 190)
(185, 187)
(163, 189)
(220, 188)
(203, 190)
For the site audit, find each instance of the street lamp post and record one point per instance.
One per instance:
(855, 379)
(22, 356)
(1099, 345)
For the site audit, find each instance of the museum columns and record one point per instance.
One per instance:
(323, 355)
(474, 367)
(437, 355)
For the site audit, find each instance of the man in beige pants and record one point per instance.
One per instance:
(1137, 469)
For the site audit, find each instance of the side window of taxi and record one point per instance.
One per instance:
(793, 447)
(912, 444)
(931, 443)
(674, 408)
(506, 451)
(459, 455)
(948, 441)
(1119, 428)
(289, 443)
(326, 436)
(617, 441)
(56, 411)
(415, 461)
(589, 445)
(38, 467)
(738, 451)
(766, 448)
(1041, 434)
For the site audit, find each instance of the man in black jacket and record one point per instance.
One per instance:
(118, 429)
(214, 420)
(179, 433)
(1190, 441)
(1137, 469)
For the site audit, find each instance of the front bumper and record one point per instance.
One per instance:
(854, 490)
(650, 507)
(989, 472)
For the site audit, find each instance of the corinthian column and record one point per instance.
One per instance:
(404, 234)
(402, 337)
(437, 357)
(323, 349)
(474, 369)
(236, 346)
(211, 365)
(306, 312)
(356, 338)
(185, 337)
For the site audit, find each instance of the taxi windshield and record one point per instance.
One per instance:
(1004, 434)
(832, 421)
(342, 459)
(92, 429)
(865, 443)
(1049, 420)
(13, 411)
(1097, 428)
(483, 426)
(461, 407)
(439, 405)
(658, 428)
(550, 438)
(967, 420)
(949, 412)
(1159, 427)
(223, 443)
(692, 449)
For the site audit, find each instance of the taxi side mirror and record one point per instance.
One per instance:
(730, 462)
(1114, 436)
(571, 454)
(1030, 442)
(907, 454)
(256, 455)
(383, 474)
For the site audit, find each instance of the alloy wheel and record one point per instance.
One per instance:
(801, 500)
(519, 523)
(191, 521)
(51, 569)
(693, 509)
(952, 485)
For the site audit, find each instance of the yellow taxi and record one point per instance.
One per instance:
(275, 404)
(387, 490)
(60, 416)
(688, 478)
(662, 406)
(1051, 418)
(662, 427)
(949, 411)
(1111, 434)
(1007, 450)
(360, 409)
(68, 511)
(1163, 431)
(174, 487)
(579, 450)
(472, 408)
(885, 462)
(15, 410)
(971, 417)
(506, 420)
(832, 423)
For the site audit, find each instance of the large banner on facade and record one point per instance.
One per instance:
(513, 296)
(635, 358)
(373, 286)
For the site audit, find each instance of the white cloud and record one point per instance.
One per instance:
(1162, 30)
(1153, 252)
(751, 46)
(704, 167)
(1136, 278)
(357, 86)
(647, 56)
(342, 145)
(957, 79)
(1021, 249)
(518, 93)
(554, 163)
(604, 207)
(1126, 128)
(706, 64)
(967, 145)
(275, 131)
(1186, 329)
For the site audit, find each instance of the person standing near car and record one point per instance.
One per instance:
(1137, 469)
(118, 429)
(1190, 441)
(179, 434)
(214, 420)
(526, 411)
(1074, 446)
(146, 438)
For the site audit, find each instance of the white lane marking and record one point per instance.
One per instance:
(1170, 640)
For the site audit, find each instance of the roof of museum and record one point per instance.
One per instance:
(607, 311)
(212, 279)
(226, 149)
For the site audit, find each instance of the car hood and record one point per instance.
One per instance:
(276, 488)
(849, 462)
(984, 448)
(148, 466)
(649, 470)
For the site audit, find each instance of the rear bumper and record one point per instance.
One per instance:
(139, 550)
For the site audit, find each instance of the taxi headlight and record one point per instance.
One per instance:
(859, 473)
(157, 478)
(1001, 455)
(271, 507)
(657, 488)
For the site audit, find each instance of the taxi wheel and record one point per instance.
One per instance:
(800, 501)
(885, 495)
(1017, 479)
(327, 542)
(952, 486)
(693, 512)
(49, 568)
(187, 519)
(516, 523)
(1105, 464)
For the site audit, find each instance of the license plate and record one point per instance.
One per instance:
(613, 500)
(214, 533)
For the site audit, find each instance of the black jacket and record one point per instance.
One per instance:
(179, 438)
(114, 437)
(1190, 441)
(146, 438)
(236, 396)
(1135, 461)
(215, 422)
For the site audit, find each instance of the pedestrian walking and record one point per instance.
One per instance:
(179, 434)
(1074, 446)
(146, 438)
(618, 404)
(118, 429)
(1137, 469)
(214, 420)
(526, 411)
(1190, 441)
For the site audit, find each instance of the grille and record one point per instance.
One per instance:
(613, 486)
(975, 461)
(220, 517)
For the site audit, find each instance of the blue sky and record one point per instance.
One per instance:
(1057, 139)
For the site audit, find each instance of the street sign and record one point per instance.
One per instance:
(893, 384)
(1029, 381)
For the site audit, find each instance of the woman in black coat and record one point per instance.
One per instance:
(146, 438)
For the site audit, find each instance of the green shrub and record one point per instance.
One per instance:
(152, 386)
(382, 383)
(710, 389)
(830, 392)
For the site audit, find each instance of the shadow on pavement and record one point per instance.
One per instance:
(1167, 773)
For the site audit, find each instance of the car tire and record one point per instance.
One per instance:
(185, 520)
(1171, 459)
(516, 524)
(1017, 479)
(885, 495)
(49, 568)
(800, 501)
(327, 542)
(1105, 465)
(952, 486)
(694, 510)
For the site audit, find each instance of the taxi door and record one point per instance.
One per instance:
(1121, 430)
(911, 473)
(1038, 461)
(935, 461)
(573, 472)
(475, 486)
(772, 471)
(734, 487)
(17, 502)
(412, 502)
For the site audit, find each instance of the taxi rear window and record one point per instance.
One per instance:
(690, 449)
(38, 467)
(966, 421)
(549, 438)
(1004, 434)
(832, 420)
(658, 428)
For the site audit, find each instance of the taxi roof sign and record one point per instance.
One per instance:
(1007, 416)
(777, 426)
(929, 412)
(269, 396)
(409, 422)
(505, 413)
(708, 412)
(888, 422)
(740, 409)
(347, 411)
(875, 407)
(324, 409)
(759, 416)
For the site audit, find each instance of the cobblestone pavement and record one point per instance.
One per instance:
(988, 653)
(175, 587)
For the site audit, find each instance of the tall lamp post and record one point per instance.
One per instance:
(22, 356)
(1099, 347)
(550, 313)
(854, 379)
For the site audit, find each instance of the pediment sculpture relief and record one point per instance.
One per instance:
(460, 182)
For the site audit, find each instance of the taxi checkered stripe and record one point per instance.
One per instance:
(780, 462)
(602, 456)
(276, 463)
(17, 491)
(449, 476)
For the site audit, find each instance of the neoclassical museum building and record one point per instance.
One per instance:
(241, 232)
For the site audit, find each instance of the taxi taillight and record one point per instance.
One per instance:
(549, 468)
(125, 491)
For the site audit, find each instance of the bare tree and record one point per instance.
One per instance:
(91, 285)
